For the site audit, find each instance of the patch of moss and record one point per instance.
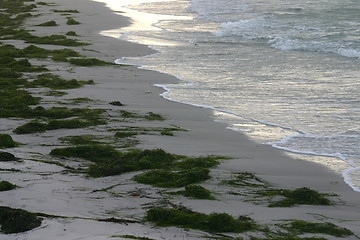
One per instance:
(215, 222)
(6, 186)
(298, 196)
(196, 192)
(17, 220)
(51, 23)
(72, 21)
(7, 157)
(173, 179)
(301, 227)
(87, 62)
(6, 141)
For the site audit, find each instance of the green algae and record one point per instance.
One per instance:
(6, 186)
(72, 21)
(6, 141)
(298, 196)
(195, 192)
(17, 220)
(185, 218)
(7, 157)
(300, 227)
(87, 62)
(173, 179)
(51, 23)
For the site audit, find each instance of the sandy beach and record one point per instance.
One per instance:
(46, 188)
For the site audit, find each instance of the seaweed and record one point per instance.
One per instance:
(80, 140)
(17, 220)
(154, 117)
(7, 157)
(6, 141)
(71, 21)
(31, 127)
(195, 192)
(298, 196)
(51, 23)
(173, 179)
(71, 33)
(301, 227)
(185, 218)
(6, 186)
(116, 103)
(66, 11)
(86, 62)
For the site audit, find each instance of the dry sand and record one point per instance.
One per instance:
(46, 189)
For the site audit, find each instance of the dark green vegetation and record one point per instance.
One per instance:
(244, 179)
(71, 33)
(48, 24)
(215, 222)
(6, 186)
(7, 157)
(6, 141)
(298, 196)
(133, 237)
(172, 179)
(66, 11)
(301, 227)
(116, 103)
(37, 127)
(195, 192)
(80, 140)
(71, 21)
(17, 220)
(86, 62)
(108, 161)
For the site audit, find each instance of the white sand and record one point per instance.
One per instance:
(45, 188)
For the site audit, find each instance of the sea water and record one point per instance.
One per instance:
(285, 73)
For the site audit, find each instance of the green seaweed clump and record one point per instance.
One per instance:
(54, 82)
(7, 157)
(215, 222)
(6, 186)
(134, 160)
(51, 23)
(173, 179)
(80, 140)
(301, 227)
(95, 153)
(17, 220)
(71, 33)
(85, 62)
(196, 192)
(71, 21)
(298, 196)
(154, 117)
(246, 179)
(31, 127)
(6, 141)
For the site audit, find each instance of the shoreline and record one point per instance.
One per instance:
(135, 88)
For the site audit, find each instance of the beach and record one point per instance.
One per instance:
(77, 201)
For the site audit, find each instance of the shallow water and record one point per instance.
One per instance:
(284, 73)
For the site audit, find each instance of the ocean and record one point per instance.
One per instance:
(285, 73)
